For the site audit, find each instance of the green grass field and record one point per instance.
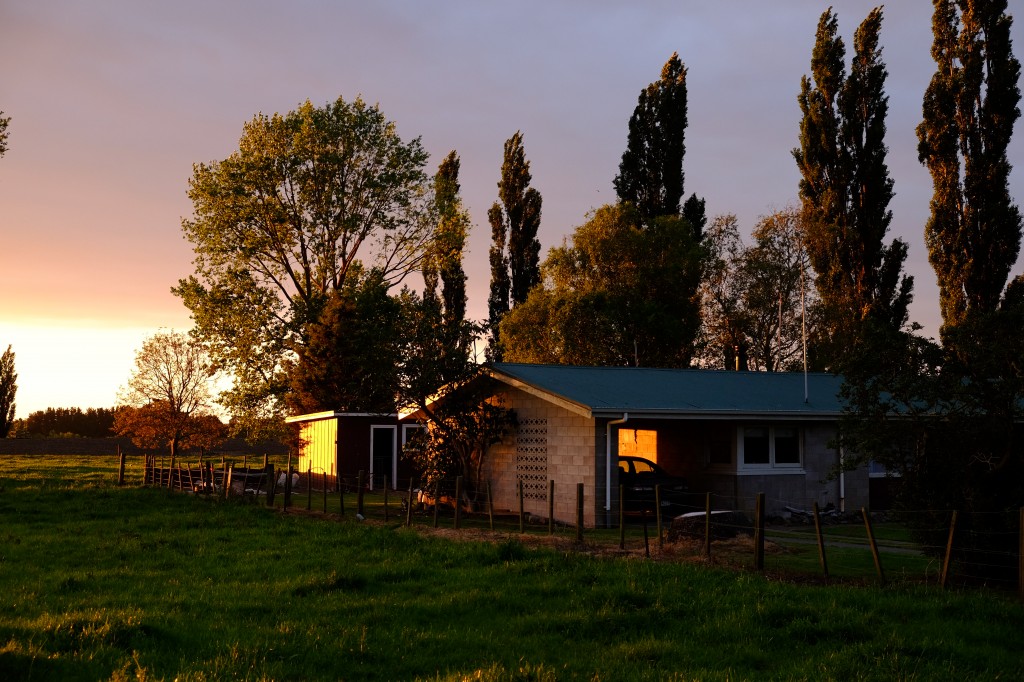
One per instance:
(99, 582)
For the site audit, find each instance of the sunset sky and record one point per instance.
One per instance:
(113, 101)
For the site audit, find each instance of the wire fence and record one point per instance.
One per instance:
(934, 546)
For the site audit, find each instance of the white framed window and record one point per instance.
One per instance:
(769, 448)
(879, 470)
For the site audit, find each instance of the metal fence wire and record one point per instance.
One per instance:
(933, 546)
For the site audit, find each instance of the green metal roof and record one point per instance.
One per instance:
(689, 392)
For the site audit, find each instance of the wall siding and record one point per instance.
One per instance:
(571, 455)
(319, 447)
(798, 490)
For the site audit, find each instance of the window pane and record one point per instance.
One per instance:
(787, 446)
(642, 467)
(755, 446)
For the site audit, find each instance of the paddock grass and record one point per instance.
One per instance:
(99, 582)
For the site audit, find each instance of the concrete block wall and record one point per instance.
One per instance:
(798, 490)
(571, 457)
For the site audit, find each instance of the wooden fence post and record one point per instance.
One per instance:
(408, 507)
(341, 493)
(647, 542)
(821, 541)
(874, 545)
(437, 500)
(551, 506)
(759, 533)
(579, 513)
(360, 485)
(949, 551)
(170, 474)
(309, 485)
(522, 529)
(490, 506)
(458, 501)
(120, 466)
(288, 482)
(622, 516)
(657, 515)
(707, 527)
(1020, 555)
(227, 481)
(271, 484)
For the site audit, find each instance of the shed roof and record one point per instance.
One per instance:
(602, 391)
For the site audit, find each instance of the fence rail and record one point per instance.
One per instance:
(944, 547)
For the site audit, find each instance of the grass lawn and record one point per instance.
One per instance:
(99, 582)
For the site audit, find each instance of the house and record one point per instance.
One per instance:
(341, 444)
(733, 434)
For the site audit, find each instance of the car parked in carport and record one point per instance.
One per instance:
(639, 476)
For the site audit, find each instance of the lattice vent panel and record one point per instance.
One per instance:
(532, 458)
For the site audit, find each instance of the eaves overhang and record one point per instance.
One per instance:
(316, 416)
(543, 394)
(761, 415)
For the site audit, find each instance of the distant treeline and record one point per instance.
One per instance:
(56, 422)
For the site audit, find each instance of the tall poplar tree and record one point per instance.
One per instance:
(974, 231)
(845, 186)
(651, 171)
(444, 260)
(515, 250)
(960, 404)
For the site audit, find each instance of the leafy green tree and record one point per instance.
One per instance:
(780, 303)
(623, 293)
(153, 426)
(169, 389)
(949, 430)
(724, 341)
(349, 362)
(970, 107)
(465, 422)
(4, 122)
(278, 226)
(845, 186)
(515, 270)
(8, 389)
(651, 171)
(754, 301)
